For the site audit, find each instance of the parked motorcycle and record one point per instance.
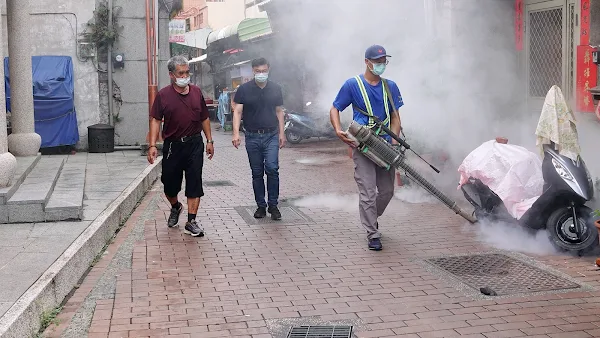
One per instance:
(560, 209)
(300, 127)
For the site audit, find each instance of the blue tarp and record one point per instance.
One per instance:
(53, 99)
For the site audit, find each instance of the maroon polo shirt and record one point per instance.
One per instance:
(183, 114)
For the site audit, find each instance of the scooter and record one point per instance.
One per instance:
(560, 209)
(299, 127)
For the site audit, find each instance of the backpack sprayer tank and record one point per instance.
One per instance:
(387, 156)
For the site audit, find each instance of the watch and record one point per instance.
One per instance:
(210, 141)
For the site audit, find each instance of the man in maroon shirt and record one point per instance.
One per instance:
(185, 115)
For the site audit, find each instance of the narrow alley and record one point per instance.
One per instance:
(260, 279)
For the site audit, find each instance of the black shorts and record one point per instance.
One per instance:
(180, 157)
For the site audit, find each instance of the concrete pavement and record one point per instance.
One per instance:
(39, 260)
(259, 279)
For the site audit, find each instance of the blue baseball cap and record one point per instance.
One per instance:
(376, 52)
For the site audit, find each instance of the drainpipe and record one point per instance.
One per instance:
(149, 55)
(110, 66)
(156, 46)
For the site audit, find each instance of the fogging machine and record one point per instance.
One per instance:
(388, 156)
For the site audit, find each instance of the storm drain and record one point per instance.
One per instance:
(320, 332)
(289, 216)
(218, 184)
(502, 274)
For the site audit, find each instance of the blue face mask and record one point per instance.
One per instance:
(378, 68)
(261, 77)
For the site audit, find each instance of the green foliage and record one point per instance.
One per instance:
(99, 31)
(176, 8)
(48, 318)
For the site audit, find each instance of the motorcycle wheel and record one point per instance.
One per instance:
(292, 137)
(562, 232)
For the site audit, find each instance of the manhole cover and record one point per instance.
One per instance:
(218, 183)
(320, 332)
(503, 274)
(289, 215)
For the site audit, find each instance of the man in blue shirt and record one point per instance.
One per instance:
(368, 95)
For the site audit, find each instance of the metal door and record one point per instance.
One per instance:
(547, 55)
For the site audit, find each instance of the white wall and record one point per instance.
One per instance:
(132, 79)
(254, 12)
(228, 12)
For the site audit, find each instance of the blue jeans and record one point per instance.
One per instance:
(263, 155)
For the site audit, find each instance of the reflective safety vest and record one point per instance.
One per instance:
(363, 92)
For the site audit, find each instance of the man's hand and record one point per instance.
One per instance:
(152, 154)
(281, 140)
(344, 137)
(210, 150)
(235, 140)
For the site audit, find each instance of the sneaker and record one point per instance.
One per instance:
(375, 244)
(261, 212)
(174, 216)
(275, 213)
(192, 228)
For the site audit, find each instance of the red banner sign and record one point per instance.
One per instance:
(586, 78)
(585, 23)
(519, 24)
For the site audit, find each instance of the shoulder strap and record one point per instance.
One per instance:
(389, 93)
(364, 95)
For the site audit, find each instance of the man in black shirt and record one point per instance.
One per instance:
(261, 102)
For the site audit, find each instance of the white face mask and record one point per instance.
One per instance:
(261, 77)
(182, 81)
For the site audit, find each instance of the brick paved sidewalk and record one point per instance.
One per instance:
(256, 280)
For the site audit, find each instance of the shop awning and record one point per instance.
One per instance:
(196, 38)
(253, 28)
(246, 29)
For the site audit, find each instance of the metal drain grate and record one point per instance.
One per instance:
(503, 274)
(289, 215)
(218, 184)
(320, 332)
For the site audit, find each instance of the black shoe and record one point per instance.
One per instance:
(192, 228)
(275, 213)
(261, 212)
(174, 216)
(375, 244)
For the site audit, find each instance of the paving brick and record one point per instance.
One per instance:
(238, 277)
(439, 334)
(375, 333)
(503, 334)
(541, 330)
(476, 329)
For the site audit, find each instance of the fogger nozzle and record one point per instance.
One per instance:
(386, 156)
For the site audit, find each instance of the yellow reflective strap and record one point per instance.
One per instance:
(363, 92)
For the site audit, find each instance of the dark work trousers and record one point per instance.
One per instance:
(180, 157)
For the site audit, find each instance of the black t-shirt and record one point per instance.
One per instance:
(259, 104)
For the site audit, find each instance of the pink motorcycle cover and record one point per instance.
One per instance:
(512, 172)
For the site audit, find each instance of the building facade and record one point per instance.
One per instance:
(213, 14)
(254, 9)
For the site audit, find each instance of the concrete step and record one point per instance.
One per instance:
(24, 167)
(66, 201)
(27, 203)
